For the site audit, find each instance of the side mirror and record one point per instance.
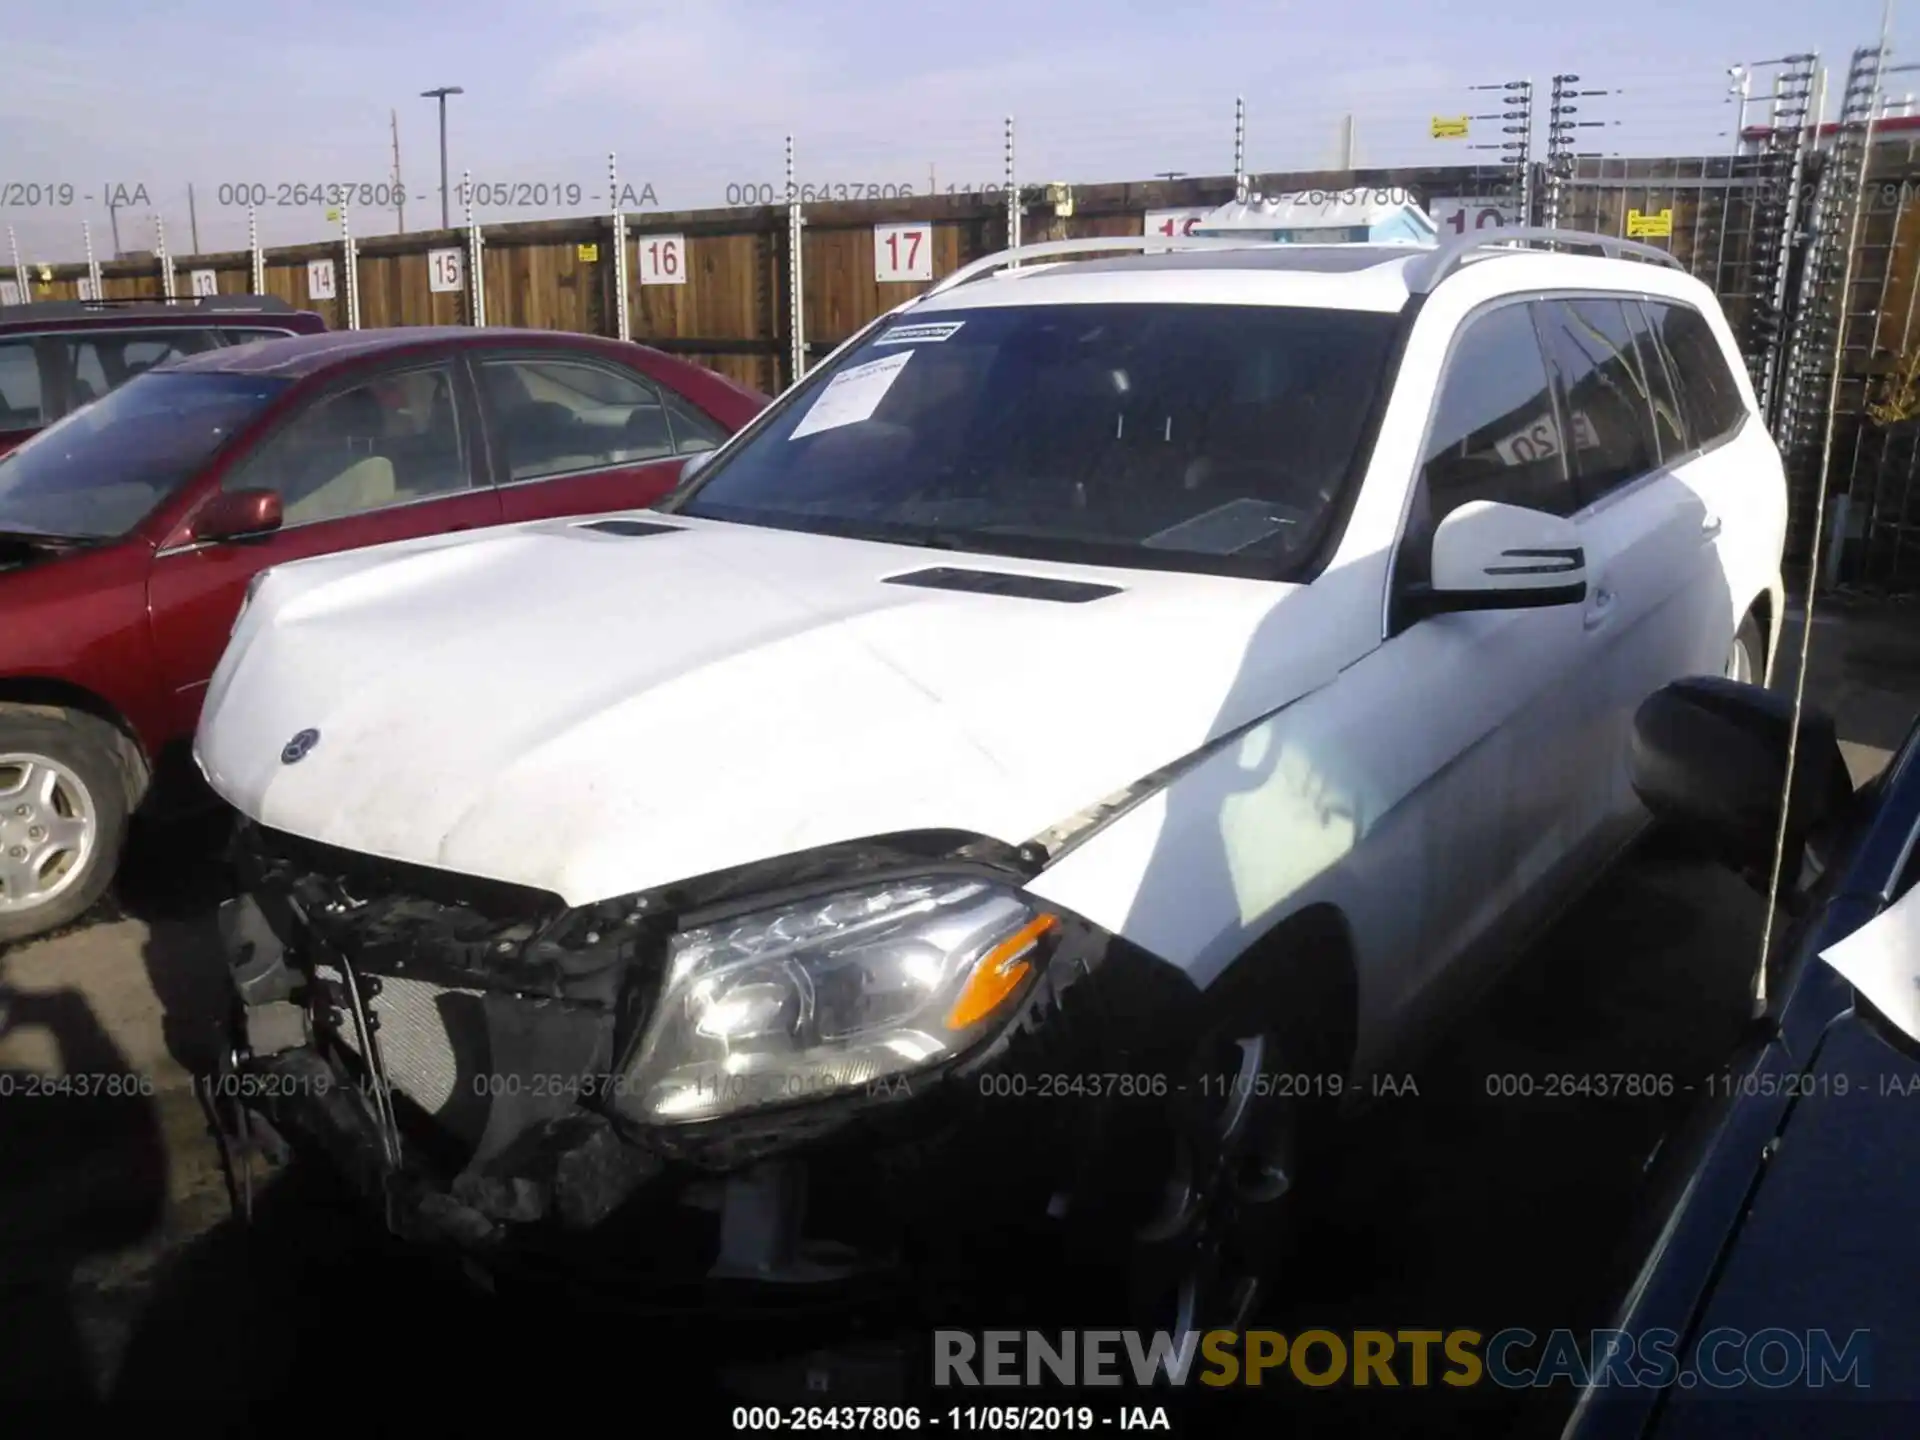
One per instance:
(1488, 556)
(1709, 757)
(238, 514)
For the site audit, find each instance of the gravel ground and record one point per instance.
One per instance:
(126, 1289)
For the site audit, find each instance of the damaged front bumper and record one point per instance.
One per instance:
(455, 1049)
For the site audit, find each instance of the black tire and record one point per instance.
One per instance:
(1749, 653)
(89, 751)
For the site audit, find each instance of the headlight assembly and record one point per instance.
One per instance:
(831, 994)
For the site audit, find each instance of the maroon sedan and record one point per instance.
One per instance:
(130, 530)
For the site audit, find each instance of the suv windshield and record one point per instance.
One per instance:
(102, 470)
(1197, 437)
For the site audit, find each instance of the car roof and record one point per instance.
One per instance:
(224, 311)
(1349, 276)
(301, 355)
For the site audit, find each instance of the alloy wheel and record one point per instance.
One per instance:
(1740, 662)
(1203, 1260)
(49, 826)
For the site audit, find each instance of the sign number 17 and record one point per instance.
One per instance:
(902, 252)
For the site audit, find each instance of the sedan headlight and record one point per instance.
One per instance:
(832, 994)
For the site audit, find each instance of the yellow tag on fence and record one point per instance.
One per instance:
(589, 253)
(1657, 226)
(1450, 127)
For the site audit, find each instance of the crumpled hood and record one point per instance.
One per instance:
(594, 714)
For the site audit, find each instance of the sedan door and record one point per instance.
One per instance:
(368, 460)
(573, 434)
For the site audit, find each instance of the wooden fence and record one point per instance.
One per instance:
(731, 311)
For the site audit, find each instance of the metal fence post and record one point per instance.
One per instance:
(350, 258)
(1240, 149)
(19, 270)
(93, 265)
(623, 326)
(476, 282)
(796, 276)
(256, 259)
(1013, 195)
(166, 260)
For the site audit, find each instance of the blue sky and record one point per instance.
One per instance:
(697, 97)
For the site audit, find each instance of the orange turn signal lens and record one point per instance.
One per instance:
(998, 974)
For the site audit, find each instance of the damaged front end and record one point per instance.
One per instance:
(635, 1091)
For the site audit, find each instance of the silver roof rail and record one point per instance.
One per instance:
(1093, 245)
(1441, 263)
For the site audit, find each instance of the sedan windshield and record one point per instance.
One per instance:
(1199, 437)
(102, 470)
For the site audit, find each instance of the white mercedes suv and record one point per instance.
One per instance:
(1098, 723)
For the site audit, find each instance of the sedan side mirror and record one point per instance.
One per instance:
(1709, 757)
(237, 515)
(1489, 556)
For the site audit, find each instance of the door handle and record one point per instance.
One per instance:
(1709, 527)
(1599, 608)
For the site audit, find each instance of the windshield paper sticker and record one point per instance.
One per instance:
(852, 395)
(912, 334)
(1882, 961)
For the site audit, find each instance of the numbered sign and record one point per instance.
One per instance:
(663, 259)
(903, 252)
(1174, 224)
(446, 271)
(205, 282)
(1455, 215)
(320, 279)
(9, 292)
(84, 285)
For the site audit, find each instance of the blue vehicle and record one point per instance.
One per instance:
(1783, 1279)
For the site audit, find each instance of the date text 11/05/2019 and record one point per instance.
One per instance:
(903, 1419)
(387, 195)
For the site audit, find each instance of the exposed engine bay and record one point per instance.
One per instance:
(461, 1050)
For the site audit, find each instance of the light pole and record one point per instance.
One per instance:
(446, 220)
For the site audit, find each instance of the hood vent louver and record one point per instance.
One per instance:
(630, 528)
(995, 582)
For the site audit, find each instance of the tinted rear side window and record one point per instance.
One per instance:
(104, 360)
(1668, 426)
(1709, 395)
(1603, 392)
(247, 337)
